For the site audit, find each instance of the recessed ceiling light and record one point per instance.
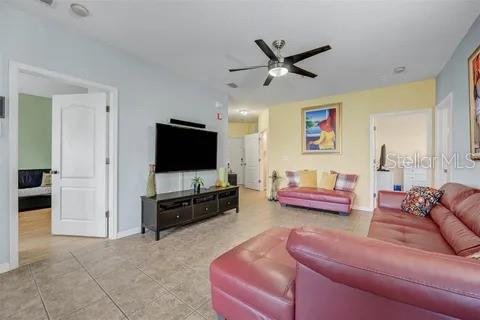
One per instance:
(399, 69)
(243, 112)
(79, 10)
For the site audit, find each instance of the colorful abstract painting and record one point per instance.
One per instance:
(474, 90)
(321, 132)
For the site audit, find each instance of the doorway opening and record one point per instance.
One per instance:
(400, 151)
(63, 161)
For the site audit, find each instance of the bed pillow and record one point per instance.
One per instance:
(345, 182)
(328, 180)
(420, 200)
(308, 178)
(46, 180)
(293, 179)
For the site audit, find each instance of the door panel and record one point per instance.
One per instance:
(236, 157)
(78, 161)
(443, 116)
(252, 164)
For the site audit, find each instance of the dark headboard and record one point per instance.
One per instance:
(30, 178)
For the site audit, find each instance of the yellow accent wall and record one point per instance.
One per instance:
(240, 129)
(284, 145)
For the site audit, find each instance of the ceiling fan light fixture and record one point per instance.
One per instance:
(277, 69)
(243, 112)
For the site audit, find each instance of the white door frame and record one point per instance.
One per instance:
(446, 103)
(373, 116)
(15, 68)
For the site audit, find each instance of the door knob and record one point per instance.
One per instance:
(53, 172)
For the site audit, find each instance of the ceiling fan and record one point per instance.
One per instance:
(279, 66)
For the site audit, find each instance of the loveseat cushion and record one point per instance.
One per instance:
(468, 211)
(410, 236)
(259, 274)
(463, 240)
(318, 194)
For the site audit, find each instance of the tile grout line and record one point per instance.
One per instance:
(38, 290)
(172, 293)
(100, 286)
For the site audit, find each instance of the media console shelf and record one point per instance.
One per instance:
(167, 210)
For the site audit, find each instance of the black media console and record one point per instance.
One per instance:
(167, 210)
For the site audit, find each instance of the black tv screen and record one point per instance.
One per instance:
(184, 149)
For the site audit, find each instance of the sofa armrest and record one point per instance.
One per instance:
(437, 282)
(390, 199)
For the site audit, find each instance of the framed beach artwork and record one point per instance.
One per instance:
(474, 93)
(321, 129)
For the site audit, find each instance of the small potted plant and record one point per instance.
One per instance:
(197, 184)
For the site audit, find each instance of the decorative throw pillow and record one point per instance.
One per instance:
(293, 180)
(328, 180)
(345, 182)
(308, 178)
(420, 200)
(475, 256)
(46, 180)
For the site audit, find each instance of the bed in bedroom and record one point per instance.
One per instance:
(33, 193)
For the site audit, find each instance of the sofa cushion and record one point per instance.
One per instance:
(455, 232)
(293, 179)
(345, 182)
(328, 180)
(397, 217)
(455, 193)
(409, 236)
(259, 274)
(468, 211)
(318, 194)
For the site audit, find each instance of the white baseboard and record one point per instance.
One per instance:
(362, 208)
(4, 267)
(129, 232)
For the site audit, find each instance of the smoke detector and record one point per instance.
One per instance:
(80, 10)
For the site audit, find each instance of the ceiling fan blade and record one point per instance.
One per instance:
(302, 72)
(307, 54)
(246, 68)
(266, 49)
(268, 80)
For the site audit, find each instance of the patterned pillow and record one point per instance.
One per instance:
(293, 179)
(345, 182)
(420, 200)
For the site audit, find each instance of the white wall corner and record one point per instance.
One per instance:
(4, 267)
(129, 232)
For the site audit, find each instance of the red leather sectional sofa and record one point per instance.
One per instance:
(317, 198)
(407, 268)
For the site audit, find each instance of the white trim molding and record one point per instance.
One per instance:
(4, 267)
(129, 232)
(15, 68)
(360, 208)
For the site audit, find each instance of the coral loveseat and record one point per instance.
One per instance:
(317, 198)
(407, 268)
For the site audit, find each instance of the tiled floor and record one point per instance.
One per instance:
(36, 241)
(139, 278)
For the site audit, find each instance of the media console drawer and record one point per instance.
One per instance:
(167, 210)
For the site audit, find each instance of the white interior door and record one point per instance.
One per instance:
(236, 157)
(252, 161)
(78, 164)
(443, 140)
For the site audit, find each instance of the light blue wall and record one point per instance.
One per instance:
(454, 78)
(147, 94)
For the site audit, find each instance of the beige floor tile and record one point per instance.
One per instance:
(130, 288)
(103, 309)
(69, 293)
(206, 310)
(167, 307)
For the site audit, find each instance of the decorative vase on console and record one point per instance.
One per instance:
(197, 184)
(151, 187)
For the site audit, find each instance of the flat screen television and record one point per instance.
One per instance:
(184, 149)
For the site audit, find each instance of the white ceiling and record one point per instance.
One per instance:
(201, 39)
(44, 87)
